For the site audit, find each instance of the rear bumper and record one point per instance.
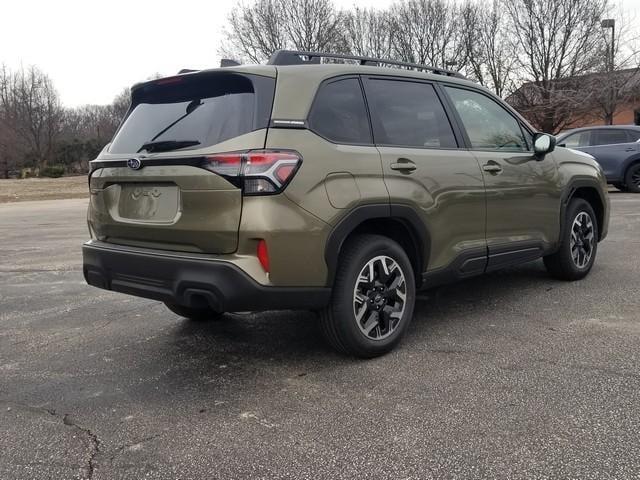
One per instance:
(189, 281)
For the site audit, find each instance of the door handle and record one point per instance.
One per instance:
(630, 149)
(492, 167)
(403, 165)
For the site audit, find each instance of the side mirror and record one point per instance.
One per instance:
(543, 143)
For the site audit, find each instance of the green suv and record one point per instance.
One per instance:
(332, 183)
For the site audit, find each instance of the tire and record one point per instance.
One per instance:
(632, 178)
(621, 186)
(195, 314)
(574, 258)
(383, 313)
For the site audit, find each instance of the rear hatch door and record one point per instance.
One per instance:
(149, 187)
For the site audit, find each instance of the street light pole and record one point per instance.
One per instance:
(611, 23)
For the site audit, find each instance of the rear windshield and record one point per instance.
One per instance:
(199, 110)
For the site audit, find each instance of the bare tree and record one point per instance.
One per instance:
(99, 122)
(120, 106)
(557, 40)
(9, 153)
(610, 90)
(368, 32)
(31, 111)
(314, 25)
(87, 129)
(489, 56)
(427, 32)
(257, 30)
(618, 79)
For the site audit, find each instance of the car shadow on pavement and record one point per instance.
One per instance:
(295, 336)
(246, 354)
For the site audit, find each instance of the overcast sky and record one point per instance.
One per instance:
(93, 49)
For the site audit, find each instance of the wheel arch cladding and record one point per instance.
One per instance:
(400, 223)
(591, 195)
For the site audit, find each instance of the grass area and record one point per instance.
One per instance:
(43, 189)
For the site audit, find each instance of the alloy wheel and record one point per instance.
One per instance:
(582, 240)
(379, 297)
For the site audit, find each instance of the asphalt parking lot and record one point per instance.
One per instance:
(511, 375)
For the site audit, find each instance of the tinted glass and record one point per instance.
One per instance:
(577, 140)
(408, 114)
(207, 109)
(634, 135)
(339, 113)
(528, 137)
(609, 137)
(488, 125)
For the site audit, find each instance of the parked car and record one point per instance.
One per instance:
(615, 148)
(342, 188)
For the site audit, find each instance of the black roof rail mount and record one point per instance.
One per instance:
(294, 57)
(227, 62)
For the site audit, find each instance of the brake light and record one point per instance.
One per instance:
(257, 172)
(168, 80)
(227, 165)
(263, 255)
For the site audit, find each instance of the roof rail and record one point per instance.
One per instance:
(293, 57)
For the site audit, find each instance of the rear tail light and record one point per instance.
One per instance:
(257, 172)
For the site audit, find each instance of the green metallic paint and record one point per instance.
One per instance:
(447, 191)
(523, 200)
(467, 213)
(322, 159)
(205, 218)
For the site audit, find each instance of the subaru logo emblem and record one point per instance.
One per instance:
(134, 163)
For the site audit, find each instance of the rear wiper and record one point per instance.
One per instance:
(167, 145)
(193, 105)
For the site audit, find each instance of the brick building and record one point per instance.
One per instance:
(586, 100)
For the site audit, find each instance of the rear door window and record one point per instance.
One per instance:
(634, 135)
(199, 109)
(408, 114)
(609, 137)
(339, 113)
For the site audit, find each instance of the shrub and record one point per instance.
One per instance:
(52, 171)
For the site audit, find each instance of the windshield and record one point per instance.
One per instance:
(192, 113)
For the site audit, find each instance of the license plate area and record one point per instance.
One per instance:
(148, 202)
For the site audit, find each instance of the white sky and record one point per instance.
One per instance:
(92, 49)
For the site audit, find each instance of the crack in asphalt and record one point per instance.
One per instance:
(89, 469)
(93, 438)
(67, 420)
